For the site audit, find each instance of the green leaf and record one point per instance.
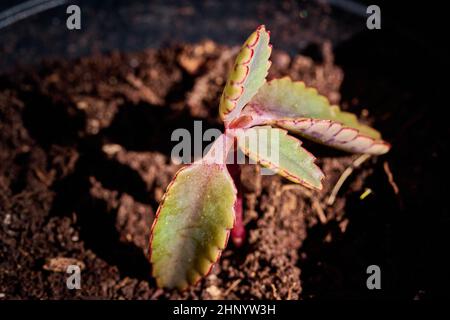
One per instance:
(274, 149)
(192, 224)
(293, 106)
(248, 74)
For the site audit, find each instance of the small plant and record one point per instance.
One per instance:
(203, 202)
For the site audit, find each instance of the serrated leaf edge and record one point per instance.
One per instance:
(272, 120)
(310, 90)
(375, 142)
(251, 46)
(220, 249)
(284, 172)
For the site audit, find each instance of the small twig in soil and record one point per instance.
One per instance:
(147, 94)
(316, 205)
(232, 287)
(322, 217)
(347, 172)
(303, 190)
(365, 193)
(390, 176)
(46, 179)
(157, 294)
(275, 294)
(289, 296)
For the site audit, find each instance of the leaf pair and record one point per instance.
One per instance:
(193, 221)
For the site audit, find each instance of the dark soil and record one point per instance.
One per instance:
(85, 158)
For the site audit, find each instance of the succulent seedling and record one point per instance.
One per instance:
(203, 202)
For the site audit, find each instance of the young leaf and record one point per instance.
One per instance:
(291, 105)
(192, 224)
(274, 149)
(248, 74)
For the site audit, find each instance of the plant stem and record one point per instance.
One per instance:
(238, 231)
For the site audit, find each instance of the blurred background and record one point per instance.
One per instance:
(134, 25)
(36, 29)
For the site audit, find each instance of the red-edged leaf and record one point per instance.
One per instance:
(248, 74)
(274, 149)
(192, 223)
(293, 106)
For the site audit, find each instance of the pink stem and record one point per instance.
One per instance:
(238, 231)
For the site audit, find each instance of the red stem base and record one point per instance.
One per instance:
(238, 232)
